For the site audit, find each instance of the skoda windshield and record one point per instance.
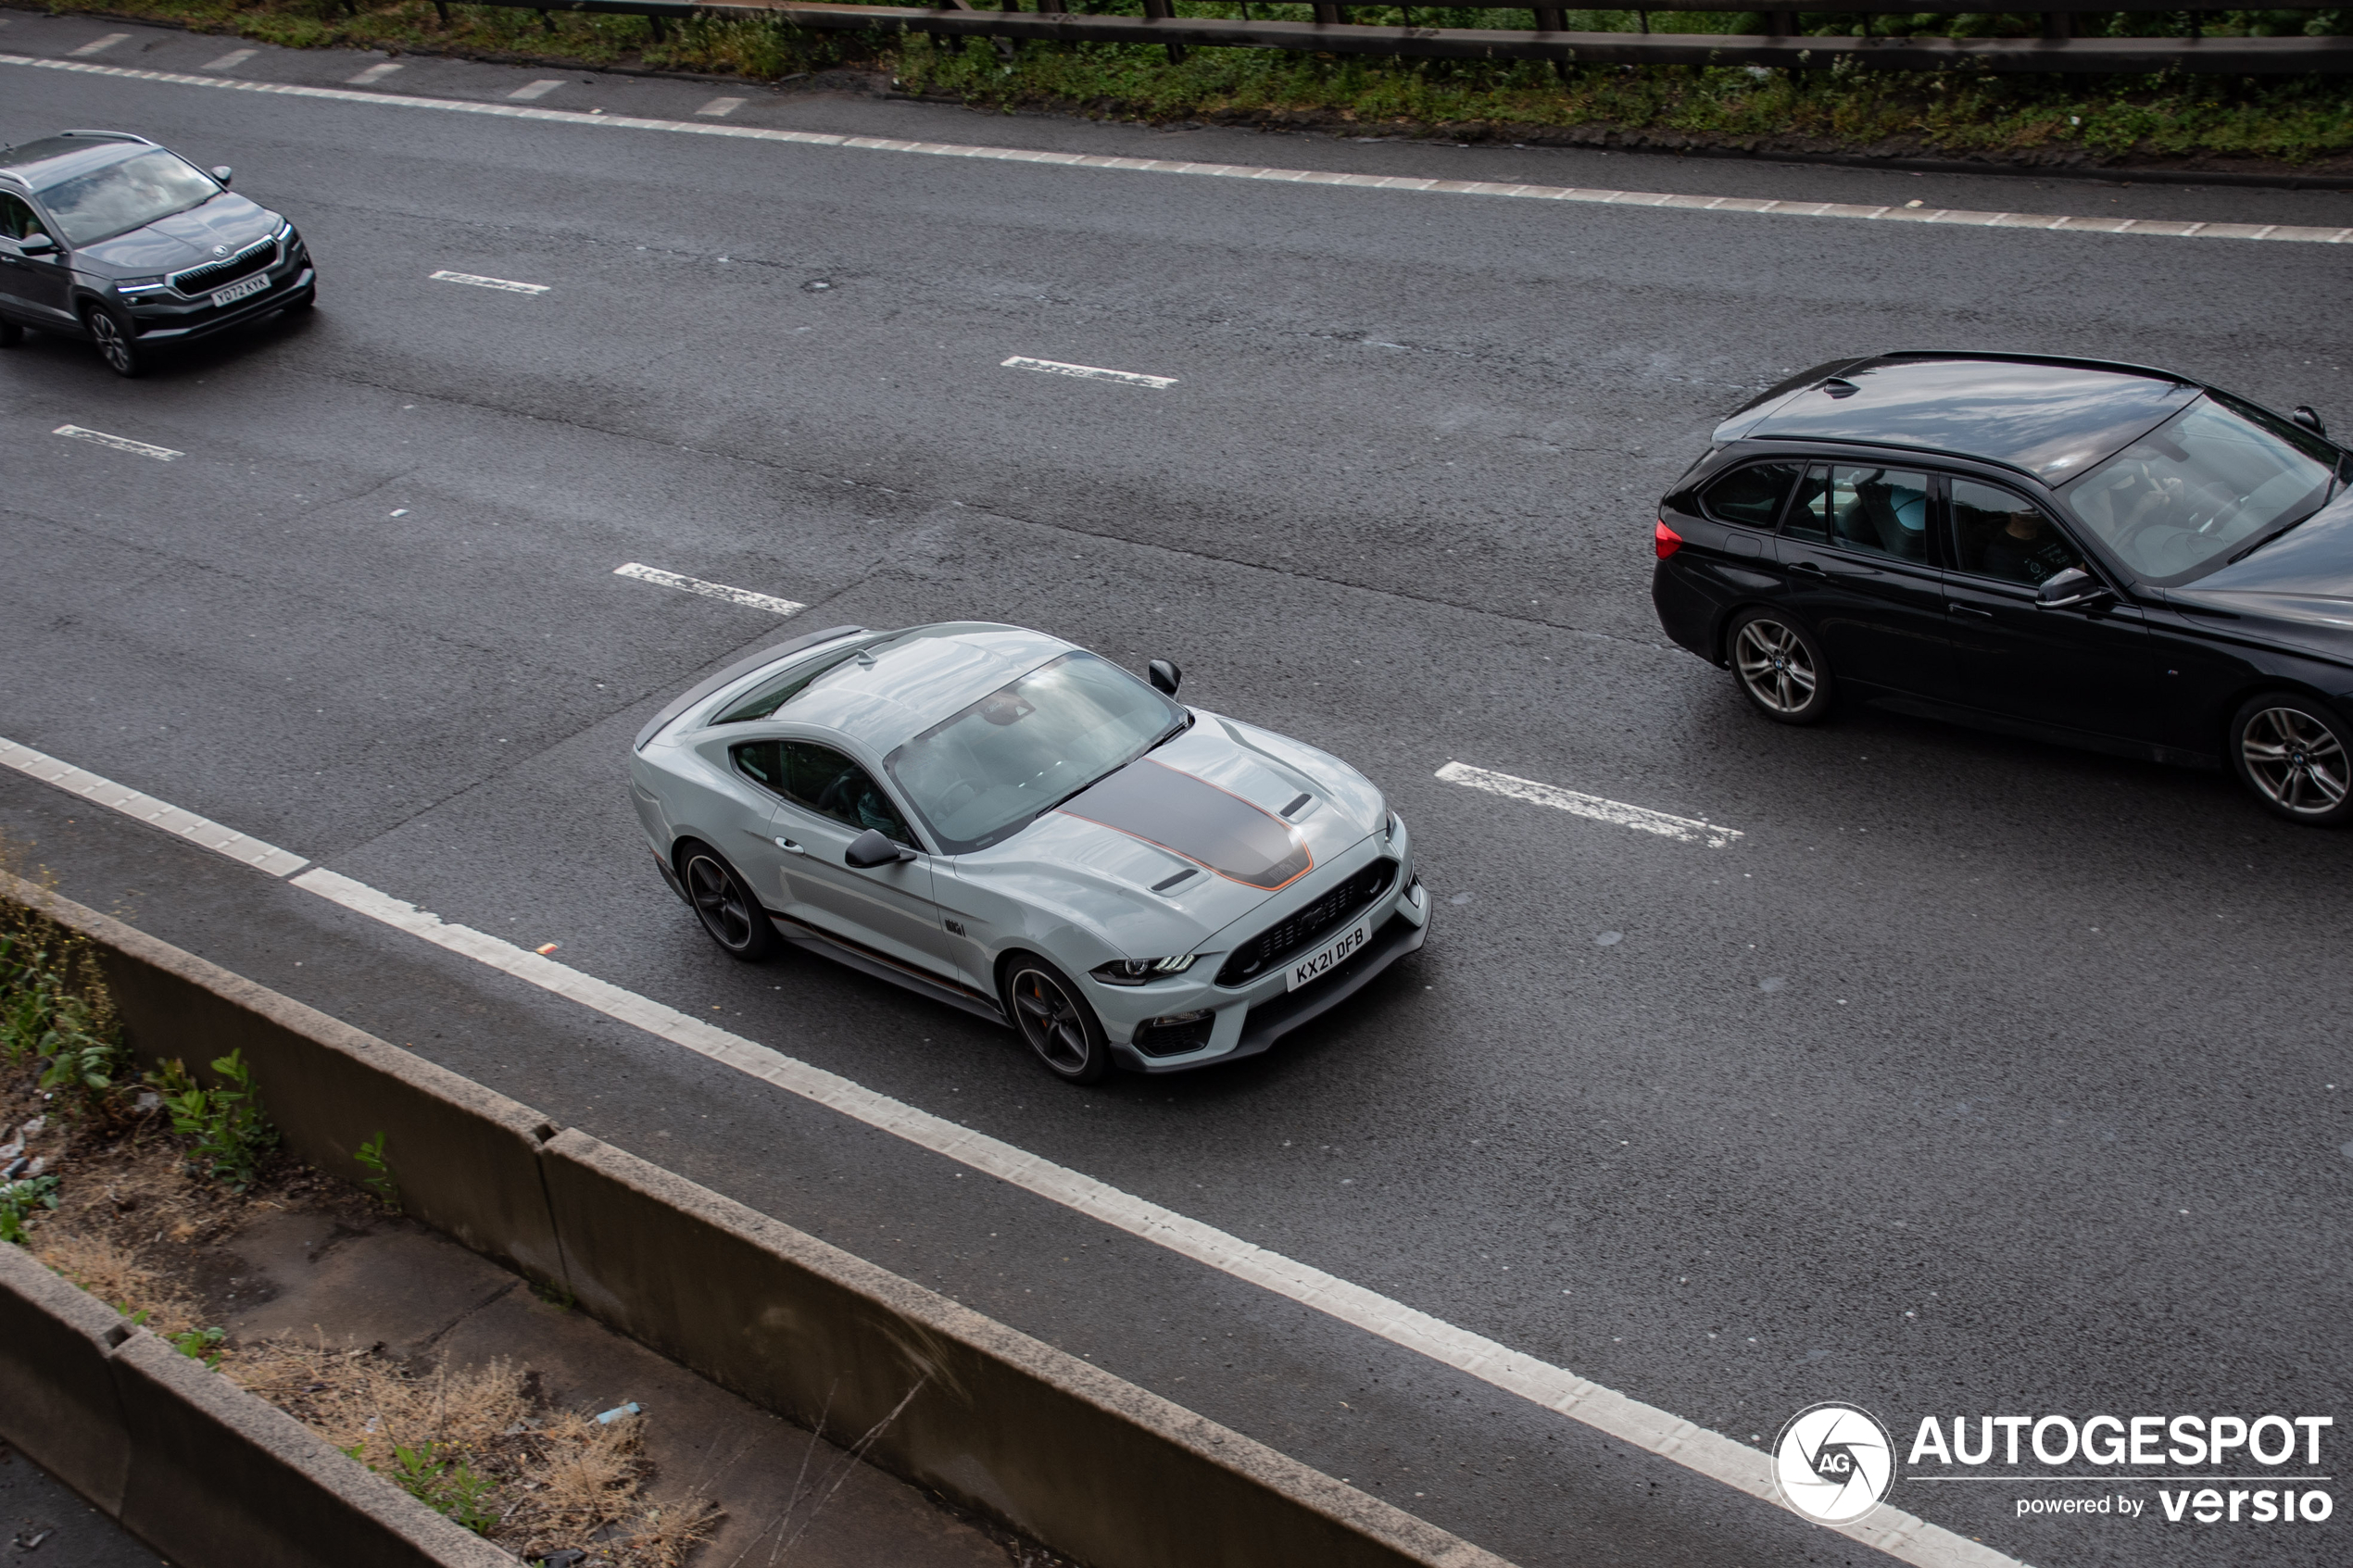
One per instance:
(982, 774)
(126, 196)
(2212, 483)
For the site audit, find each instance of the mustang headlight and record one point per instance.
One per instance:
(1391, 828)
(1140, 971)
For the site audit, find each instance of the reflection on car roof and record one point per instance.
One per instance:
(918, 678)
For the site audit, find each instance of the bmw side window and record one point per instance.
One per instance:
(1750, 496)
(1865, 507)
(1999, 534)
(1809, 517)
(823, 780)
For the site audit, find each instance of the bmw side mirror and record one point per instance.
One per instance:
(869, 849)
(2310, 417)
(36, 244)
(2063, 590)
(1164, 676)
(223, 173)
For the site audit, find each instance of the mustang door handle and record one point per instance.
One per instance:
(1967, 609)
(789, 847)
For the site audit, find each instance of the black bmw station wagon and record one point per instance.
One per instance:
(2099, 553)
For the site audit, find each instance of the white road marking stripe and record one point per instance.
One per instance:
(2162, 228)
(231, 60)
(1708, 1453)
(374, 73)
(721, 107)
(508, 284)
(95, 44)
(536, 89)
(1641, 818)
(1088, 372)
(120, 443)
(708, 590)
(196, 830)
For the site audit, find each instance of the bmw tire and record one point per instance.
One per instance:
(1780, 668)
(11, 334)
(2296, 755)
(730, 913)
(1055, 1021)
(110, 331)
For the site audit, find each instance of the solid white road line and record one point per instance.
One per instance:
(1088, 372)
(120, 443)
(1641, 818)
(196, 830)
(536, 89)
(374, 73)
(96, 44)
(719, 108)
(708, 590)
(231, 60)
(1711, 1454)
(507, 284)
(2157, 228)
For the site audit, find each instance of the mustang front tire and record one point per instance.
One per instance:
(1055, 1021)
(2297, 756)
(730, 913)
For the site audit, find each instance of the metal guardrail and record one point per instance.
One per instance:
(1332, 34)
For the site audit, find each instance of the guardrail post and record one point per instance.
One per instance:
(654, 24)
(2059, 25)
(1161, 10)
(442, 6)
(1331, 15)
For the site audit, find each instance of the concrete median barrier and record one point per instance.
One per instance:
(1086, 1462)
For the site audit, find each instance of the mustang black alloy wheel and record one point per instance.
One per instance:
(1780, 669)
(1056, 1021)
(2294, 752)
(726, 907)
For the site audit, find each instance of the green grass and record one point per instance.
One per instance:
(2293, 121)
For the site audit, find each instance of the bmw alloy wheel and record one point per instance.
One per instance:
(1775, 665)
(2296, 761)
(114, 342)
(1058, 1024)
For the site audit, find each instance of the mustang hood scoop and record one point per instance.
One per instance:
(1191, 817)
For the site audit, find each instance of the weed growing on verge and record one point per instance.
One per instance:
(227, 1123)
(445, 1486)
(379, 1182)
(19, 1200)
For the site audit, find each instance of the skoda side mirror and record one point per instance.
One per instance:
(2063, 590)
(223, 173)
(1164, 676)
(2310, 417)
(869, 849)
(36, 244)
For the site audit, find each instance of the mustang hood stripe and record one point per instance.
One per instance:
(1196, 819)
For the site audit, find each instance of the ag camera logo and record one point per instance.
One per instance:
(1833, 1462)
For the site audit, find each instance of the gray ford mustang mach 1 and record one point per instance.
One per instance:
(999, 820)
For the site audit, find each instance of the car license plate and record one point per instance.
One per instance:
(244, 288)
(1331, 955)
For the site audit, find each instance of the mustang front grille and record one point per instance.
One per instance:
(214, 274)
(1280, 944)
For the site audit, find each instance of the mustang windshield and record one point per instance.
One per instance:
(126, 196)
(2210, 482)
(981, 775)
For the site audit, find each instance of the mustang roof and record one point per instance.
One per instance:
(2052, 417)
(918, 678)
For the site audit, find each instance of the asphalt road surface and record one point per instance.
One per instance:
(1974, 1077)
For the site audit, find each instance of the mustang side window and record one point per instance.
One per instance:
(1997, 533)
(1750, 496)
(1864, 508)
(759, 761)
(825, 782)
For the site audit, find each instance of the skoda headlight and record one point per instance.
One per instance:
(138, 285)
(1140, 971)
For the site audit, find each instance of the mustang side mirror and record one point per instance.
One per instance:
(869, 849)
(2310, 417)
(2074, 586)
(1164, 675)
(223, 173)
(36, 244)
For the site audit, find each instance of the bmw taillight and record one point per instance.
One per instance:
(1666, 541)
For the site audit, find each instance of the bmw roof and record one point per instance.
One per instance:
(2052, 417)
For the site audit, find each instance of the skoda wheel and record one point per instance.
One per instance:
(726, 907)
(1780, 669)
(116, 346)
(1055, 1021)
(2297, 756)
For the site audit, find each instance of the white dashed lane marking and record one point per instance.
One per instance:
(719, 108)
(98, 45)
(120, 443)
(539, 89)
(1639, 818)
(708, 590)
(231, 60)
(196, 830)
(372, 74)
(1900, 1534)
(507, 285)
(2148, 227)
(1088, 373)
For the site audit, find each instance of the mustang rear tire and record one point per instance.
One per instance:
(2296, 755)
(1055, 1022)
(1780, 668)
(730, 913)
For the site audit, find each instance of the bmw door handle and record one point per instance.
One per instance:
(1812, 568)
(1969, 610)
(789, 847)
